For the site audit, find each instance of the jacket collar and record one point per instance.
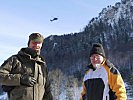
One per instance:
(28, 56)
(90, 66)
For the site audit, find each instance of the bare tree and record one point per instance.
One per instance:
(56, 78)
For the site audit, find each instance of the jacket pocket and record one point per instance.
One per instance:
(22, 93)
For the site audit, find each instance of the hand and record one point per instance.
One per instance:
(27, 80)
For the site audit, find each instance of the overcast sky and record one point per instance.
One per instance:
(19, 18)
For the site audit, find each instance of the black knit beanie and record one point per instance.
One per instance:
(97, 48)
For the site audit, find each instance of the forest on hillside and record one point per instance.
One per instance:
(68, 55)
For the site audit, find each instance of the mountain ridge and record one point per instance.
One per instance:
(112, 28)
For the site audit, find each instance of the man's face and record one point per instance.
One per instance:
(96, 59)
(35, 45)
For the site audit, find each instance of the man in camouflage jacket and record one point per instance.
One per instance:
(27, 73)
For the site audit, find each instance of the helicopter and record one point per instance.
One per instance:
(54, 19)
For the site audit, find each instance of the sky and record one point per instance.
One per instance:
(19, 18)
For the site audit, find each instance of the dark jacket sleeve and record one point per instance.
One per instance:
(6, 77)
(47, 94)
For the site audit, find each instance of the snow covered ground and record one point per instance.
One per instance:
(3, 97)
(63, 94)
(129, 91)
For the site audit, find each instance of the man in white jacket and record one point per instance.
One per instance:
(102, 81)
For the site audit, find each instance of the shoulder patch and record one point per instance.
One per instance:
(112, 68)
